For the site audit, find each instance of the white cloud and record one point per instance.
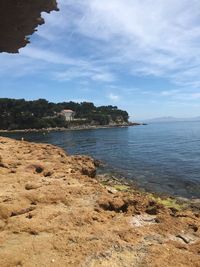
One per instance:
(34, 59)
(181, 95)
(99, 41)
(104, 77)
(170, 93)
(93, 74)
(114, 97)
(47, 56)
(149, 37)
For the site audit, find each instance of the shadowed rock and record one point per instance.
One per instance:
(19, 19)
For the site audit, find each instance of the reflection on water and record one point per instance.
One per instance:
(158, 157)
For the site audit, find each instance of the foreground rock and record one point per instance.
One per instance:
(54, 213)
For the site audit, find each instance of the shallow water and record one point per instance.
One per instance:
(162, 157)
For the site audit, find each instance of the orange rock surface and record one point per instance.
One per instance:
(53, 212)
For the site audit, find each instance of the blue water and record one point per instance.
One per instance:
(162, 157)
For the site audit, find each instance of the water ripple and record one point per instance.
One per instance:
(158, 157)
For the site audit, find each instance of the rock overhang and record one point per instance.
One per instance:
(19, 19)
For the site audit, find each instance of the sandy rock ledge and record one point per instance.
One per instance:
(53, 212)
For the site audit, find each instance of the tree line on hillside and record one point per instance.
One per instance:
(37, 114)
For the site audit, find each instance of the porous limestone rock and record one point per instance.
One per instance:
(53, 212)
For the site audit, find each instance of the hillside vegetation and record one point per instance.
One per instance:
(22, 114)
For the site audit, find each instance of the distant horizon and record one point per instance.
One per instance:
(172, 119)
(113, 53)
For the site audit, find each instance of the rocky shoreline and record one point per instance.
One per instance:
(126, 185)
(55, 211)
(72, 128)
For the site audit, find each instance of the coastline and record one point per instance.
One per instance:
(73, 128)
(124, 184)
(77, 218)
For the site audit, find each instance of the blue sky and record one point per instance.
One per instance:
(141, 55)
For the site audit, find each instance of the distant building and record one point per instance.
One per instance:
(68, 114)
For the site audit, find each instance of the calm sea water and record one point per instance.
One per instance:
(162, 157)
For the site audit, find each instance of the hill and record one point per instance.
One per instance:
(19, 114)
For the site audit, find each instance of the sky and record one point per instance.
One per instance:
(140, 55)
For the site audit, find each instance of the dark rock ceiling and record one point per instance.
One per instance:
(19, 19)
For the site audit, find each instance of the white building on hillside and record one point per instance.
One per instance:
(68, 114)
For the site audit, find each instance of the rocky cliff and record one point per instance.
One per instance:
(53, 212)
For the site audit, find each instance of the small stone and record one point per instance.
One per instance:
(111, 190)
(30, 186)
(142, 220)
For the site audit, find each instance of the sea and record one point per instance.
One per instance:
(158, 157)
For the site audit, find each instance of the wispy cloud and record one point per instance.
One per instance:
(159, 39)
(181, 95)
(113, 97)
(149, 38)
(93, 74)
